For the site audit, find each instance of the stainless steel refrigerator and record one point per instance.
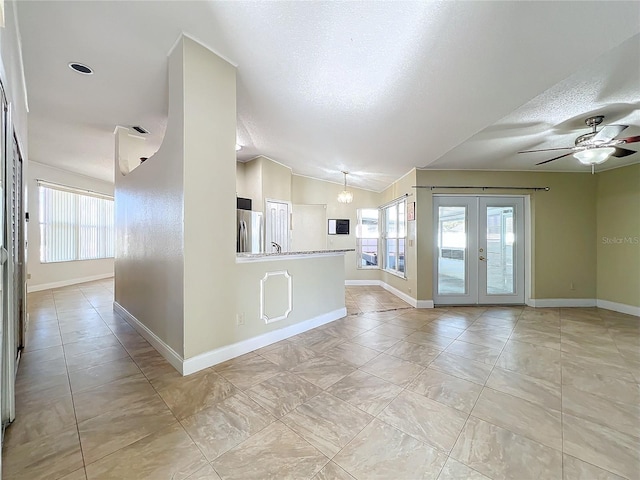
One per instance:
(250, 232)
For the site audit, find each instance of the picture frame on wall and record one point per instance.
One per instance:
(411, 211)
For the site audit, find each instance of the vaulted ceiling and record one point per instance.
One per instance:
(375, 88)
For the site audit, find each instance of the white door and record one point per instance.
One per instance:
(276, 225)
(479, 250)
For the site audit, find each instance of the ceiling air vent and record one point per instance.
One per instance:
(141, 130)
(81, 68)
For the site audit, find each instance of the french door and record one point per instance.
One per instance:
(479, 250)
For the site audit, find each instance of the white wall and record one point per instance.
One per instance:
(51, 275)
(12, 74)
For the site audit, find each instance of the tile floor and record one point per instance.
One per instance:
(457, 393)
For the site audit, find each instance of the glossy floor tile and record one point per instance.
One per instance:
(381, 451)
(388, 392)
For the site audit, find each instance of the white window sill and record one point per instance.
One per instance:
(396, 273)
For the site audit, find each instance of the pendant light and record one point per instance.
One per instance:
(345, 196)
(594, 156)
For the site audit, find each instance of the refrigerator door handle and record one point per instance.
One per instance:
(244, 225)
(240, 236)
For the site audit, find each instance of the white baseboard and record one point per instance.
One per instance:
(173, 357)
(532, 302)
(619, 307)
(362, 283)
(401, 295)
(66, 283)
(425, 304)
(219, 355)
(561, 302)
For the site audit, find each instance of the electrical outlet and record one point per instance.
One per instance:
(572, 286)
(409, 289)
(28, 276)
(239, 319)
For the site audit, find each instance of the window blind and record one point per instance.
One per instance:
(74, 224)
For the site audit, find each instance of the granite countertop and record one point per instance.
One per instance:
(290, 254)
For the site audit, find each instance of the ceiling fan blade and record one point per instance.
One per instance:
(608, 133)
(622, 152)
(545, 150)
(631, 139)
(557, 158)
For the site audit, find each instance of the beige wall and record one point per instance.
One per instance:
(149, 265)
(618, 238)
(262, 178)
(409, 285)
(318, 288)
(209, 198)
(563, 227)
(276, 181)
(176, 268)
(309, 191)
(50, 275)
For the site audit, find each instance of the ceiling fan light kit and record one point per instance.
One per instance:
(594, 156)
(596, 146)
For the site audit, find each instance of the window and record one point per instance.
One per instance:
(367, 238)
(394, 236)
(74, 224)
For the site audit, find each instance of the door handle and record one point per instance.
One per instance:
(482, 258)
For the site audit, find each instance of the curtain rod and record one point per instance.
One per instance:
(546, 189)
(69, 188)
(396, 199)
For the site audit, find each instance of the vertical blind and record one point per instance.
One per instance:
(74, 224)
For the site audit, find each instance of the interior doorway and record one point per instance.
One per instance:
(479, 253)
(277, 225)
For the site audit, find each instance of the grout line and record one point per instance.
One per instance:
(73, 403)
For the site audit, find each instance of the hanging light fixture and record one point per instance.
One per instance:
(345, 196)
(594, 156)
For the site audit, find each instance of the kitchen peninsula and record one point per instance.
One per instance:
(278, 295)
(249, 257)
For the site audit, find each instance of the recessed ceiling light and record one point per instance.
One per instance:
(80, 68)
(238, 147)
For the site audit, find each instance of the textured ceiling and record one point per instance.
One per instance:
(375, 88)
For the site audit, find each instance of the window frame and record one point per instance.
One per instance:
(400, 204)
(359, 238)
(89, 222)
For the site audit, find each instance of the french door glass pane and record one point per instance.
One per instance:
(500, 240)
(452, 247)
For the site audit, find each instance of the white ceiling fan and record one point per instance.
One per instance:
(596, 146)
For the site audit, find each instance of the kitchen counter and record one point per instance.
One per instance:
(273, 256)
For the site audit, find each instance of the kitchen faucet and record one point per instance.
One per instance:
(278, 247)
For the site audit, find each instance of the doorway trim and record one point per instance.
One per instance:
(529, 255)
